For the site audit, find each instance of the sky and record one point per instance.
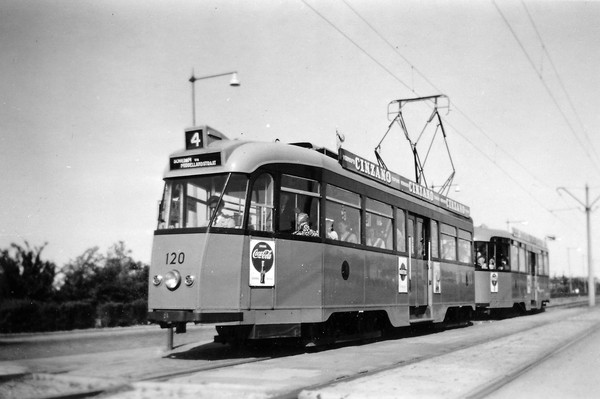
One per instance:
(95, 95)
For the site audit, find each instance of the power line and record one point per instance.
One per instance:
(545, 85)
(455, 129)
(559, 79)
(356, 44)
(395, 49)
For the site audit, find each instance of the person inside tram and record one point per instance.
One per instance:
(373, 240)
(345, 233)
(220, 219)
(331, 234)
(481, 260)
(303, 227)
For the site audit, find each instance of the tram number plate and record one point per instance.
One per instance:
(175, 258)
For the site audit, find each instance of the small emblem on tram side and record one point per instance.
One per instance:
(262, 263)
(402, 275)
(494, 282)
(437, 278)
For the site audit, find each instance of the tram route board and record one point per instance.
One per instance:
(375, 172)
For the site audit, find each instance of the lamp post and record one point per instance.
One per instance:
(233, 82)
(588, 210)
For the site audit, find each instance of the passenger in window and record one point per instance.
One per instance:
(303, 227)
(373, 240)
(481, 261)
(220, 219)
(345, 233)
(492, 263)
(331, 234)
(287, 215)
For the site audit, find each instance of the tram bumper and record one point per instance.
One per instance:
(170, 318)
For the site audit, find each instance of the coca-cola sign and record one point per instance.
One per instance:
(262, 259)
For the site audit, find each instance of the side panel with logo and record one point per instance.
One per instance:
(262, 263)
(262, 269)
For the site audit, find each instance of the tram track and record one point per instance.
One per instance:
(192, 377)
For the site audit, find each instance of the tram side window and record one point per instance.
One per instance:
(533, 266)
(400, 230)
(448, 238)
(343, 210)
(481, 254)
(435, 244)
(546, 264)
(522, 260)
(502, 256)
(299, 197)
(464, 246)
(260, 217)
(378, 224)
(514, 256)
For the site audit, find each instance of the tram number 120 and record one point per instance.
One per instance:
(174, 258)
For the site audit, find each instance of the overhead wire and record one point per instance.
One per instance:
(459, 110)
(560, 81)
(428, 81)
(546, 86)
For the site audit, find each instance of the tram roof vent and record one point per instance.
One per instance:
(322, 150)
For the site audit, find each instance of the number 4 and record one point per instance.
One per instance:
(196, 139)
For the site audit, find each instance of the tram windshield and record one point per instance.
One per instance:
(195, 201)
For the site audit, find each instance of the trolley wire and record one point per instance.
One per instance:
(560, 81)
(586, 150)
(460, 111)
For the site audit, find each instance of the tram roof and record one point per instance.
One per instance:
(482, 233)
(243, 156)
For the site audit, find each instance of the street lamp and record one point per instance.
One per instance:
(233, 82)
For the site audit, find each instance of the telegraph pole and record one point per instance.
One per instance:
(588, 210)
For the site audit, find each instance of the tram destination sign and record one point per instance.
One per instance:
(196, 161)
(378, 173)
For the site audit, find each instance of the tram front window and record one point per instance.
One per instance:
(192, 202)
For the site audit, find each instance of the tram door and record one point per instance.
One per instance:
(418, 234)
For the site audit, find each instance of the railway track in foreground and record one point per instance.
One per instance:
(302, 373)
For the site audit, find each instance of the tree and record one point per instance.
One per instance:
(25, 275)
(115, 277)
(79, 276)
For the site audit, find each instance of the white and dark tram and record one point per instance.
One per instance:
(273, 240)
(512, 271)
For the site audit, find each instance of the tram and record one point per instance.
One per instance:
(273, 240)
(512, 271)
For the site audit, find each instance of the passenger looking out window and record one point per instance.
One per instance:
(344, 233)
(304, 228)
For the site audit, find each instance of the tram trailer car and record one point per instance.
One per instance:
(232, 246)
(512, 271)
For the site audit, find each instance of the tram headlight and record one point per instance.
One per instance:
(156, 280)
(173, 280)
(189, 280)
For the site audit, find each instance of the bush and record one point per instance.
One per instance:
(24, 315)
(118, 314)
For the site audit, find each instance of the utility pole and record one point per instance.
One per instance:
(588, 210)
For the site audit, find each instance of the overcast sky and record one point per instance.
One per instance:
(95, 96)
